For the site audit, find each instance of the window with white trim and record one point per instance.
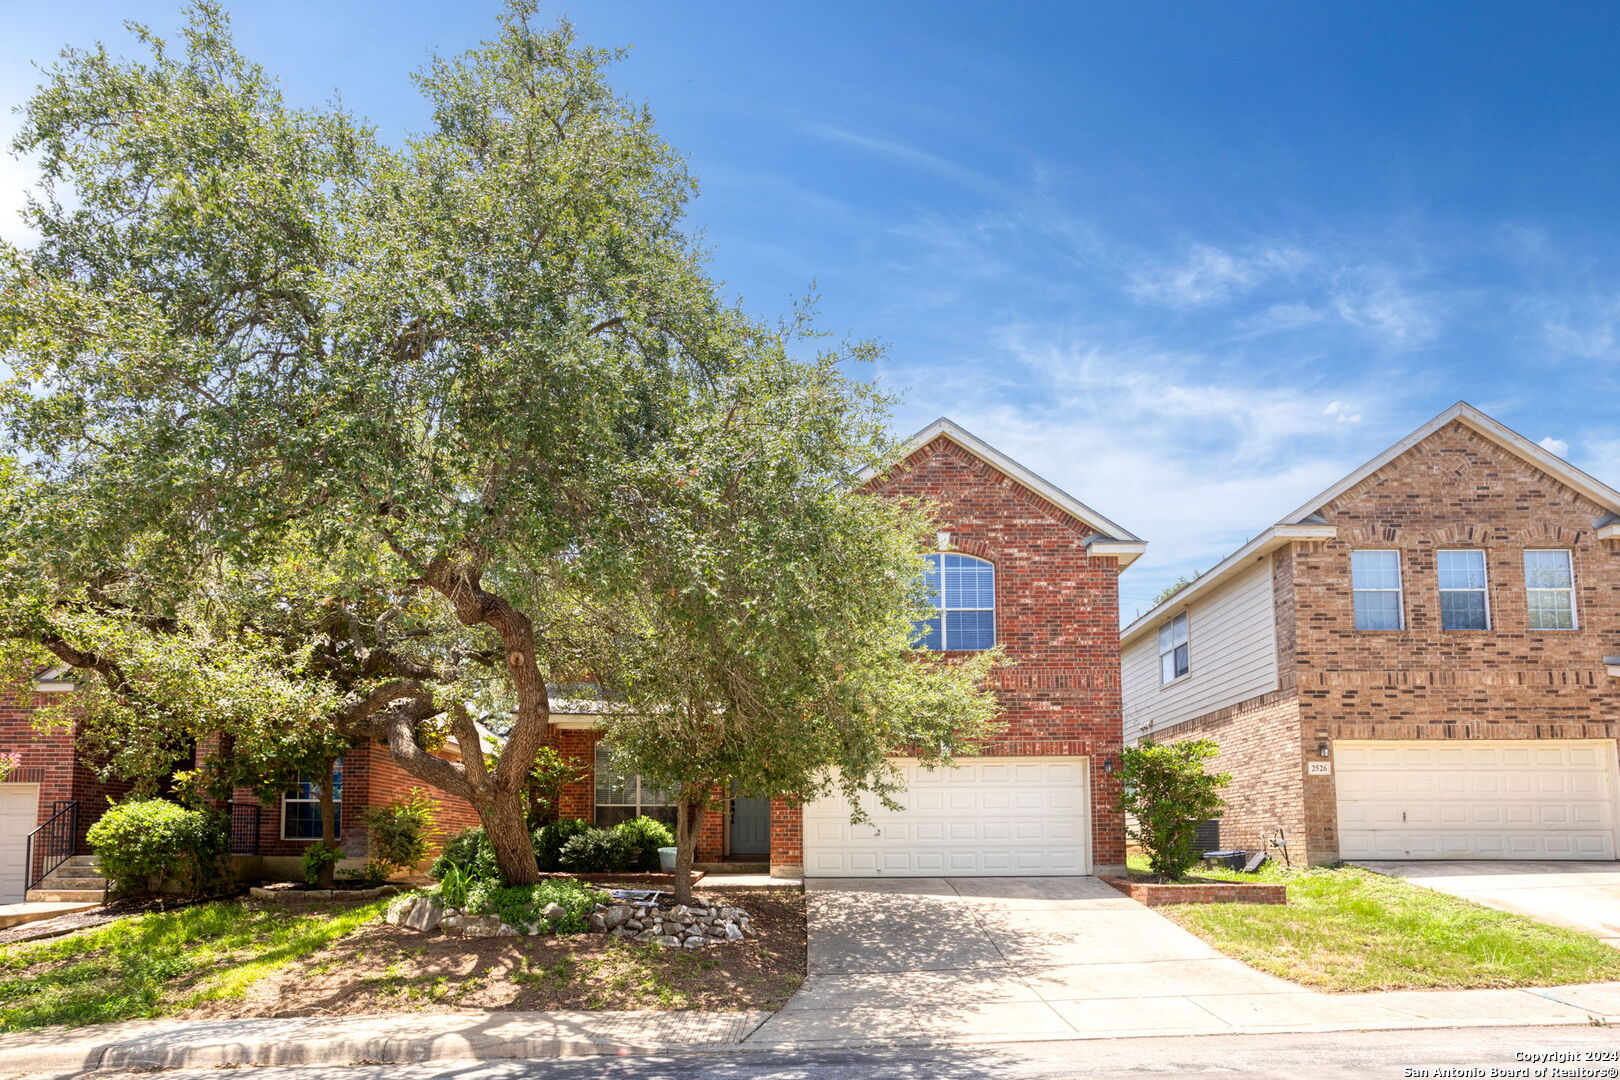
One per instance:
(963, 588)
(1463, 604)
(621, 796)
(1173, 654)
(301, 806)
(1375, 589)
(1549, 585)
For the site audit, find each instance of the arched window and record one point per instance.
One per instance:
(964, 590)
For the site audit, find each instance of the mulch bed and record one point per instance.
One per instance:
(382, 968)
(97, 916)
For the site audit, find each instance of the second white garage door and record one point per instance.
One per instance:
(1544, 799)
(19, 805)
(1002, 817)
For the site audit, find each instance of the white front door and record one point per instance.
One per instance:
(19, 813)
(988, 817)
(1462, 799)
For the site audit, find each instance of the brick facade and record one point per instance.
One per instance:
(1057, 615)
(1453, 489)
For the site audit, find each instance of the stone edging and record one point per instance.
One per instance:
(1154, 894)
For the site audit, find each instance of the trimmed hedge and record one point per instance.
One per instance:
(145, 844)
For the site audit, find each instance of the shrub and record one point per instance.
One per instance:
(317, 857)
(144, 843)
(1166, 794)
(399, 832)
(598, 851)
(549, 840)
(455, 886)
(645, 835)
(471, 851)
(521, 906)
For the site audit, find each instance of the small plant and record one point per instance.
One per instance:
(399, 832)
(598, 851)
(454, 884)
(549, 840)
(645, 836)
(145, 844)
(1165, 794)
(317, 857)
(9, 763)
(471, 851)
(522, 906)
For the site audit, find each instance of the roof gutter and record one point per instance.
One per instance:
(1273, 538)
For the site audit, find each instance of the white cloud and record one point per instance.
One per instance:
(1555, 446)
(1374, 300)
(1589, 330)
(1209, 275)
(1194, 455)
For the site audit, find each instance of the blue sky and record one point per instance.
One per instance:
(1192, 262)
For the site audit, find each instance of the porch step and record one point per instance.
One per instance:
(78, 880)
(47, 895)
(732, 866)
(17, 914)
(82, 862)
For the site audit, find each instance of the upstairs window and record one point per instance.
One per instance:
(964, 590)
(1173, 656)
(301, 806)
(1375, 585)
(1549, 585)
(1462, 590)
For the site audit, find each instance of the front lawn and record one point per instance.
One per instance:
(383, 968)
(164, 963)
(1348, 929)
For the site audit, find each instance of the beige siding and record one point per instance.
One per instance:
(1232, 657)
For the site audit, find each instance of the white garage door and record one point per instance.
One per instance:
(1547, 799)
(1004, 816)
(19, 806)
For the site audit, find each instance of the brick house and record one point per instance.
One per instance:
(1019, 563)
(1423, 661)
(53, 788)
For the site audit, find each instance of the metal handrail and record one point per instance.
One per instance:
(58, 837)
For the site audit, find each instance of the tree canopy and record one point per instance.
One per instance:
(456, 417)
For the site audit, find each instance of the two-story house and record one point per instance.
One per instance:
(1423, 661)
(1019, 563)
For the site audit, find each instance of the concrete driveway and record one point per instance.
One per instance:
(1020, 957)
(1577, 895)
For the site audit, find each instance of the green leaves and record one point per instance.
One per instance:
(1165, 795)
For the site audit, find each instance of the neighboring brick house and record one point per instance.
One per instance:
(1422, 661)
(1021, 564)
(52, 779)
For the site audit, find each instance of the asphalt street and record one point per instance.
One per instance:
(1371, 1054)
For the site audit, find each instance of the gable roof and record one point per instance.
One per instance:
(1500, 434)
(1306, 521)
(1109, 537)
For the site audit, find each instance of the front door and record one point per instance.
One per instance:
(750, 826)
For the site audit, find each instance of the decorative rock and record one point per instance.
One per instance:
(646, 935)
(696, 942)
(617, 915)
(679, 910)
(555, 911)
(733, 932)
(597, 923)
(669, 941)
(425, 914)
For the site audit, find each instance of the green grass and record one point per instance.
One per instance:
(153, 965)
(1346, 929)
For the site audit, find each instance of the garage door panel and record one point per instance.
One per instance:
(1545, 800)
(19, 812)
(998, 816)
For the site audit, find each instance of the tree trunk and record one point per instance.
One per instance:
(329, 827)
(502, 814)
(688, 820)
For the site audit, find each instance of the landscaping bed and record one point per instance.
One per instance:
(1156, 892)
(384, 968)
(1347, 929)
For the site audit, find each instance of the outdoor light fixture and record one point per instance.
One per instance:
(1108, 766)
(1322, 748)
(944, 540)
